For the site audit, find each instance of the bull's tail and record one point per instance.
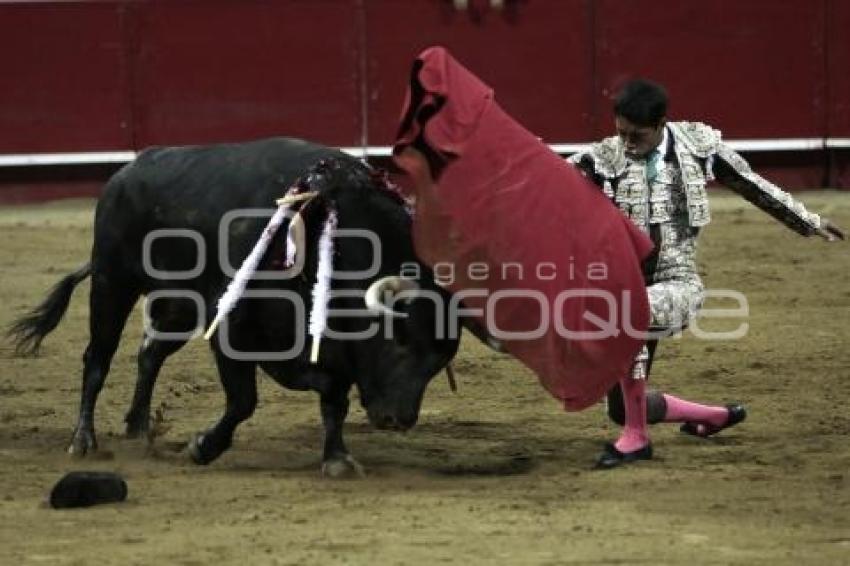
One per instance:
(28, 331)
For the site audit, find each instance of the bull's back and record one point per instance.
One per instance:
(191, 189)
(221, 177)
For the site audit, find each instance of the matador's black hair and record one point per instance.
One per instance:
(641, 102)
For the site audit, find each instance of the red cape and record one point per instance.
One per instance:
(491, 195)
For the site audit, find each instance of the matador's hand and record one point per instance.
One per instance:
(829, 231)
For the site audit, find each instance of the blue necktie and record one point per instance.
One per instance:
(652, 165)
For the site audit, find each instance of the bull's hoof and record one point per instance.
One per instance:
(82, 443)
(196, 450)
(343, 467)
(137, 428)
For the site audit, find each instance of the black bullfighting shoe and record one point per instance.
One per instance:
(737, 413)
(611, 457)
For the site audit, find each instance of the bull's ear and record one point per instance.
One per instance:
(481, 333)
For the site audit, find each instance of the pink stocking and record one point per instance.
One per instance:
(679, 411)
(634, 435)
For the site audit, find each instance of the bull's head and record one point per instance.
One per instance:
(414, 346)
(392, 368)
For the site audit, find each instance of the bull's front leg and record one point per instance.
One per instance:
(336, 461)
(239, 379)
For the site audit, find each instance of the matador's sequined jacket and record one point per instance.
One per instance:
(674, 206)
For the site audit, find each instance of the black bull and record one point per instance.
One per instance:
(193, 188)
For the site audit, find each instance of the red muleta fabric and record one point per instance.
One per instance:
(490, 194)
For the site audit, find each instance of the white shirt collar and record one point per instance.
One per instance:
(662, 147)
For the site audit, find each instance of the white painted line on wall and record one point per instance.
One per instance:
(838, 142)
(102, 157)
(92, 157)
(788, 144)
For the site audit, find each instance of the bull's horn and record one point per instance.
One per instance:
(393, 284)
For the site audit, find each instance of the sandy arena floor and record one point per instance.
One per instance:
(497, 474)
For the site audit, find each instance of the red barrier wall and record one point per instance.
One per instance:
(538, 58)
(94, 75)
(65, 82)
(218, 70)
(838, 89)
(838, 68)
(726, 62)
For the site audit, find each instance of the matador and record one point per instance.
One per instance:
(656, 172)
